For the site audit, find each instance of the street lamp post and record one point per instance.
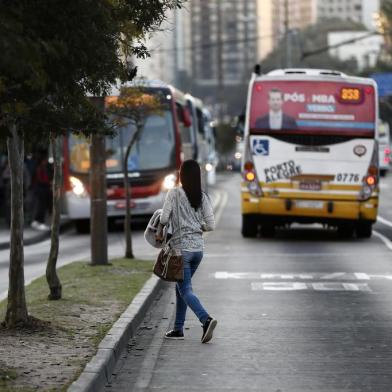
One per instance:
(221, 93)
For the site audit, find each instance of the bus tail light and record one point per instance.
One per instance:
(370, 181)
(250, 175)
(387, 155)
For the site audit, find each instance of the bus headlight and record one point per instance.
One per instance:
(169, 182)
(78, 187)
(209, 167)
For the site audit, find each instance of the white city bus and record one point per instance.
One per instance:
(311, 153)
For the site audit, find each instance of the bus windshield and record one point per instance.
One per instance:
(310, 107)
(153, 150)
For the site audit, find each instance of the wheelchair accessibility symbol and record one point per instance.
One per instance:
(260, 147)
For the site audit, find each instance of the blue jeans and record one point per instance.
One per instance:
(184, 294)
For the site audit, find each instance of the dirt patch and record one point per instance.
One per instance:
(64, 335)
(46, 356)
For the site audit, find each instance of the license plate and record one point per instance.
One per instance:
(316, 205)
(310, 186)
(121, 205)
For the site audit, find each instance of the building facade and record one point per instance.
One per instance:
(225, 48)
(298, 14)
(169, 49)
(365, 51)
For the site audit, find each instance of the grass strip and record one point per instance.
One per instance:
(53, 355)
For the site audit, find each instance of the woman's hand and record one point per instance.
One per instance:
(159, 233)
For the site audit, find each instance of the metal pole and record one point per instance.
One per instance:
(99, 245)
(287, 33)
(221, 93)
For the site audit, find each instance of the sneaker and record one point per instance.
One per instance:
(43, 227)
(35, 225)
(208, 329)
(174, 335)
(40, 226)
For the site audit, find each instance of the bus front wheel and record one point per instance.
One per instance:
(249, 226)
(82, 226)
(364, 230)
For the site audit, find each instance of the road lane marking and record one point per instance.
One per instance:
(221, 207)
(384, 221)
(315, 276)
(291, 255)
(361, 276)
(310, 286)
(384, 239)
(315, 281)
(334, 275)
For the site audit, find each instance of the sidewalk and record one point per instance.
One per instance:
(98, 372)
(31, 236)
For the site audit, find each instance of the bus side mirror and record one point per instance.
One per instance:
(240, 124)
(186, 118)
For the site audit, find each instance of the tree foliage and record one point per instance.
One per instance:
(312, 38)
(55, 52)
(133, 107)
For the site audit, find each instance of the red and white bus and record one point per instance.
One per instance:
(166, 141)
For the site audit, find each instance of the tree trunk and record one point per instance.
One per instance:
(16, 307)
(51, 273)
(127, 222)
(99, 219)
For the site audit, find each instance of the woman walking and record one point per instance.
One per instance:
(195, 217)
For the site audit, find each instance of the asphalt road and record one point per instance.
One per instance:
(73, 247)
(305, 311)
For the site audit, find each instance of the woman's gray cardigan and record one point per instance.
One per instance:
(193, 222)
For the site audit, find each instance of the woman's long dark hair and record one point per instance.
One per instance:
(191, 182)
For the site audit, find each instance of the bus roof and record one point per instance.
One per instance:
(196, 101)
(312, 74)
(178, 95)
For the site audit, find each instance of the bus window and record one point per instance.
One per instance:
(79, 148)
(200, 121)
(154, 149)
(186, 131)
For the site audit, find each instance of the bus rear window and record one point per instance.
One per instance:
(313, 107)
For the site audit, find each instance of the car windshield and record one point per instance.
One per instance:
(153, 150)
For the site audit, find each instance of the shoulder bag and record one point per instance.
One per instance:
(169, 265)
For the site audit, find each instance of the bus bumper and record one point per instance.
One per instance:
(79, 207)
(279, 210)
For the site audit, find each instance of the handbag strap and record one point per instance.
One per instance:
(178, 212)
(178, 217)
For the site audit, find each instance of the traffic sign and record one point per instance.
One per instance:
(384, 83)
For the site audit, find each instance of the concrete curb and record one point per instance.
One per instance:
(39, 237)
(98, 371)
